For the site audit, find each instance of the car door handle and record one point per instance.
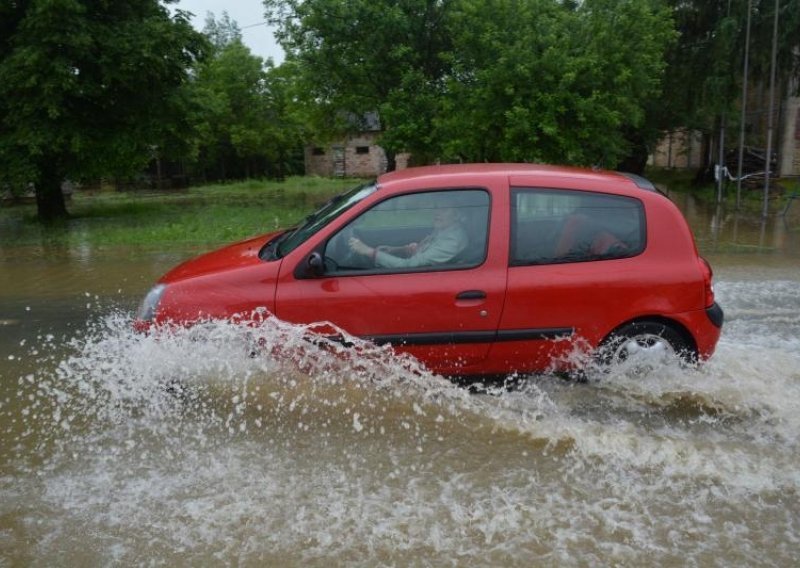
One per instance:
(471, 295)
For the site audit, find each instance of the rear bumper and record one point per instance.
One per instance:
(716, 315)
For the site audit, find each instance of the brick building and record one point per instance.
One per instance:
(357, 155)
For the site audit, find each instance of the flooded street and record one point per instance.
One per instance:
(117, 448)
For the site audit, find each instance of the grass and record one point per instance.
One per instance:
(178, 219)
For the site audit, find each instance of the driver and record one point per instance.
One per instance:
(447, 240)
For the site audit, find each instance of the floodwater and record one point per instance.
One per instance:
(365, 459)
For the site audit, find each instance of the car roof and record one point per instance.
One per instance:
(506, 170)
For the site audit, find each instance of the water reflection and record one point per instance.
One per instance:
(722, 230)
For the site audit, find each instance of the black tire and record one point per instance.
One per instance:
(649, 340)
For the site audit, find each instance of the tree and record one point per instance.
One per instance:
(247, 125)
(230, 86)
(483, 80)
(703, 80)
(354, 57)
(286, 128)
(547, 81)
(223, 32)
(89, 88)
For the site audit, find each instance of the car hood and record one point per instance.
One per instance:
(237, 255)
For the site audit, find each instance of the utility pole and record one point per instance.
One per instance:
(745, 80)
(770, 118)
(722, 121)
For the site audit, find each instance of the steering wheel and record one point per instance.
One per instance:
(341, 254)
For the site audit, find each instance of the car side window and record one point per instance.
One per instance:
(430, 230)
(556, 226)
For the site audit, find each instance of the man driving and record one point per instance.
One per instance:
(445, 242)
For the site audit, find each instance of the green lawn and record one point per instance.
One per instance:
(199, 216)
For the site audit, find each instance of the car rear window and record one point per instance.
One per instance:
(551, 226)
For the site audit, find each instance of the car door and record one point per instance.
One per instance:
(443, 308)
(573, 254)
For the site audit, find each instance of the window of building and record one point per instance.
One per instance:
(362, 149)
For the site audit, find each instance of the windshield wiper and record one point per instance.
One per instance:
(316, 214)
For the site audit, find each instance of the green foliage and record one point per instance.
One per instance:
(353, 57)
(230, 86)
(89, 88)
(536, 81)
(704, 73)
(223, 32)
(482, 80)
(246, 127)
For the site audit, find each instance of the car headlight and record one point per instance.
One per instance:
(147, 309)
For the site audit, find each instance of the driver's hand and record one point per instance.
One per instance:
(357, 246)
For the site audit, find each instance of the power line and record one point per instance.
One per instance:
(264, 23)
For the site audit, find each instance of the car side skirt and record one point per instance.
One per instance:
(460, 337)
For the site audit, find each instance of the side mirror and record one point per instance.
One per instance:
(312, 266)
(316, 265)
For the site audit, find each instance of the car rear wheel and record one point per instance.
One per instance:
(639, 347)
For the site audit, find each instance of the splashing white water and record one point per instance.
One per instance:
(260, 444)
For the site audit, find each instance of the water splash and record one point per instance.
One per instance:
(204, 446)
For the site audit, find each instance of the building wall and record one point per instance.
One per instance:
(679, 149)
(785, 123)
(790, 149)
(356, 156)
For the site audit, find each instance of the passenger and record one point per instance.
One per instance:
(445, 242)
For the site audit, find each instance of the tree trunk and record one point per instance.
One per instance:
(705, 174)
(391, 160)
(279, 172)
(50, 204)
(636, 160)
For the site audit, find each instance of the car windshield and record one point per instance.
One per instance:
(320, 218)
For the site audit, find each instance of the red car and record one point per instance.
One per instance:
(474, 269)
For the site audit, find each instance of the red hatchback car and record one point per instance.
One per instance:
(485, 269)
